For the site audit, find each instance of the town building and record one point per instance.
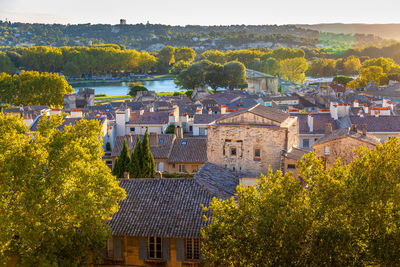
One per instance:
(159, 222)
(82, 99)
(261, 83)
(342, 143)
(251, 140)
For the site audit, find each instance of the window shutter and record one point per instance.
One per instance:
(142, 248)
(180, 249)
(166, 249)
(117, 248)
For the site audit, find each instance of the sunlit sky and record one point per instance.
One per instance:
(201, 12)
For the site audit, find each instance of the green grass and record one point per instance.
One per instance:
(107, 97)
(107, 101)
(169, 93)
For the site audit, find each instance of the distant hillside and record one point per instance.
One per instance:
(388, 31)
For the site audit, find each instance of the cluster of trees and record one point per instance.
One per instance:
(135, 87)
(348, 215)
(378, 70)
(57, 194)
(214, 75)
(140, 164)
(325, 67)
(34, 88)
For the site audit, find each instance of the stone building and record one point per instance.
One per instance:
(342, 144)
(252, 139)
(82, 99)
(261, 83)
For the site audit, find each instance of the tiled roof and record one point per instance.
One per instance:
(189, 150)
(319, 123)
(378, 124)
(347, 132)
(219, 181)
(161, 151)
(295, 153)
(161, 207)
(157, 117)
(205, 118)
(262, 111)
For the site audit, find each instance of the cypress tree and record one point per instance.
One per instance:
(135, 170)
(148, 164)
(123, 161)
(115, 171)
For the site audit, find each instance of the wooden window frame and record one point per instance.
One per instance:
(195, 252)
(179, 168)
(155, 248)
(257, 158)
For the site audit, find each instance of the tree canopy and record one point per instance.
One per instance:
(340, 216)
(56, 192)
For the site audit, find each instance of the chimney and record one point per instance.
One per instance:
(355, 103)
(126, 175)
(178, 132)
(365, 109)
(223, 109)
(198, 110)
(127, 114)
(153, 139)
(360, 113)
(151, 108)
(209, 111)
(377, 113)
(76, 113)
(141, 112)
(353, 128)
(334, 110)
(364, 129)
(328, 128)
(310, 122)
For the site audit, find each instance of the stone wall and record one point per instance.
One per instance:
(342, 147)
(221, 139)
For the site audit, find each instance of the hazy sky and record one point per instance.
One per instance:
(203, 12)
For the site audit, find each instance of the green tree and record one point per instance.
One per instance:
(265, 225)
(351, 66)
(180, 66)
(213, 56)
(165, 59)
(135, 87)
(148, 164)
(6, 65)
(270, 66)
(56, 192)
(185, 54)
(135, 165)
(214, 76)
(234, 74)
(373, 73)
(293, 69)
(123, 161)
(344, 80)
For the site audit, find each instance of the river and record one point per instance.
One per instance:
(121, 88)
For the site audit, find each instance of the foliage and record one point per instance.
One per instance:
(135, 168)
(135, 87)
(108, 146)
(170, 129)
(57, 194)
(122, 165)
(344, 80)
(213, 56)
(347, 215)
(34, 88)
(176, 175)
(6, 65)
(179, 67)
(322, 67)
(186, 54)
(293, 69)
(148, 165)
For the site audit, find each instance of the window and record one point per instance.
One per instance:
(132, 129)
(257, 154)
(233, 151)
(155, 247)
(306, 143)
(291, 166)
(182, 168)
(192, 249)
(202, 131)
(190, 128)
(184, 143)
(161, 141)
(327, 150)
